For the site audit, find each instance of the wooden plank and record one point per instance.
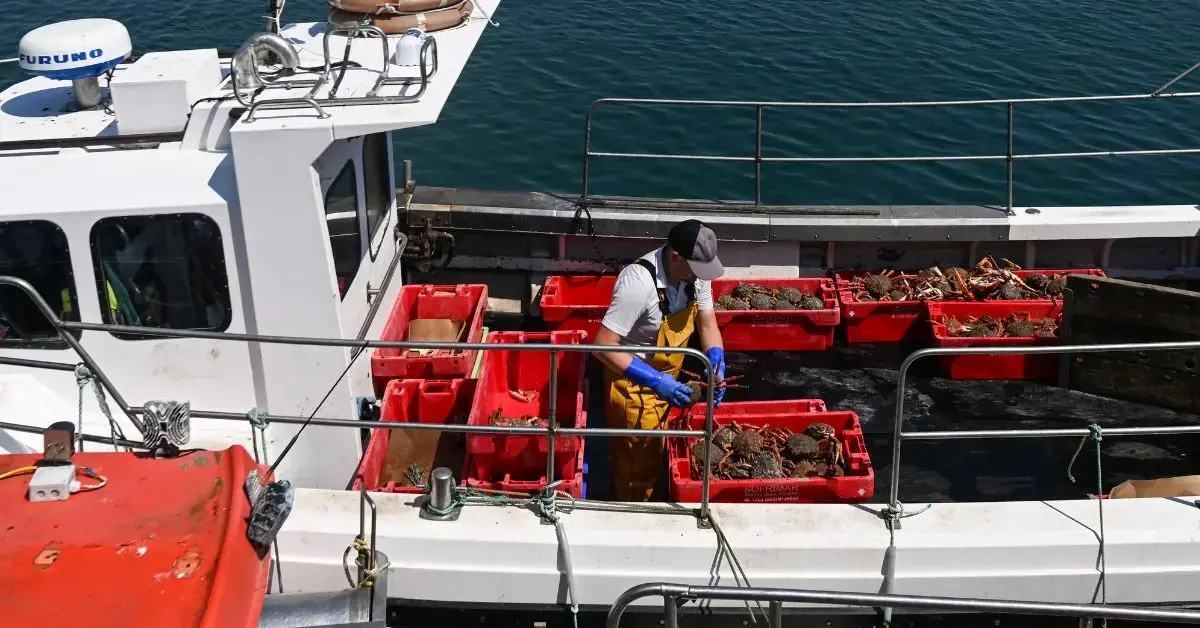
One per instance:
(1100, 310)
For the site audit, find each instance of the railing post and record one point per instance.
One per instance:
(758, 135)
(587, 153)
(708, 432)
(670, 611)
(776, 614)
(898, 430)
(1008, 161)
(552, 420)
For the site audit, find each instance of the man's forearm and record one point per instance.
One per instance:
(618, 361)
(710, 334)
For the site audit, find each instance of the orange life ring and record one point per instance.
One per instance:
(377, 7)
(396, 24)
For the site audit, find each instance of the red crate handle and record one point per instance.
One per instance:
(436, 386)
(454, 289)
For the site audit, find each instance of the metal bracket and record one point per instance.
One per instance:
(167, 426)
(270, 506)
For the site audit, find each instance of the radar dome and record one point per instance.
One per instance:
(75, 49)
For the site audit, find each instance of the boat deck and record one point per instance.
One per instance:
(862, 378)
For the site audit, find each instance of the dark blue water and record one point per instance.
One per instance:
(516, 118)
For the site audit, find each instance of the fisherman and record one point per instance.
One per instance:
(659, 300)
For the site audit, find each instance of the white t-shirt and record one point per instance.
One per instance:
(634, 313)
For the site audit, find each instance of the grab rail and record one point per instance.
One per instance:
(898, 434)
(673, 594)
(551, 431)
(758, 160)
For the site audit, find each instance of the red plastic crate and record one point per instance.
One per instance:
(779, 330)
(496, 455)
(411, 401)
(460, 302)
(572, 486)
(894, 321)
(576, 302)
(879, 321)
(857, 485)
(1014, 366)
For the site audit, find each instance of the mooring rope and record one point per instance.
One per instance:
(83, 377)
(258, 435)
(1096, 434)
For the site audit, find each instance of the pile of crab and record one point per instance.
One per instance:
(987, 280)
(1018, 325)
(749, 296)
(740, 452)
(498, 418)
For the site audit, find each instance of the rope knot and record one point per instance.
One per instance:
(257, 420)
(546, 502)
(83, 375)
(1095, 432)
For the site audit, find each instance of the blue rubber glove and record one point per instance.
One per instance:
(666, 387)
(716, 355)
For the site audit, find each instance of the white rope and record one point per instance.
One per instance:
(12, 60)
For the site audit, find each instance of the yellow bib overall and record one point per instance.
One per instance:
(636, 462)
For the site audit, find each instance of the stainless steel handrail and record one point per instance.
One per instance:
(898, 434)
(551, 431)
(672, 594)
(759, 105)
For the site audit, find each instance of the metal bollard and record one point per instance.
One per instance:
(439, 504)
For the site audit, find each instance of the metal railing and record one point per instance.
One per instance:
(551, 431)
(899, 435)
(674, 594)
(758, 159)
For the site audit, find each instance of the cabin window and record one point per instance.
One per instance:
(36, 251)
(341, 215)
(377, 179)
(165, 271)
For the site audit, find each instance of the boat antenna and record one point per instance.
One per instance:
(295, 437)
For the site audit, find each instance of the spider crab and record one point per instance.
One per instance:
(740, 452)
(1018, 325)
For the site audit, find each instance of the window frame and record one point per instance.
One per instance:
(359, 219)
(48, 343)
(388, 192)
(101, 292)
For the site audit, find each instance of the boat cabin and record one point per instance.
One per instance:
(187, 196)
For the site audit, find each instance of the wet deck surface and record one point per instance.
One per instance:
(863, 378)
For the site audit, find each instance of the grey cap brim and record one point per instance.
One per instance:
(707, 270)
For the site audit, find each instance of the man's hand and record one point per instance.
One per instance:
(670, 390)
(665, 386)
(716, 356)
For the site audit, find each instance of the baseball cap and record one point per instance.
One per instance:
(698, 245)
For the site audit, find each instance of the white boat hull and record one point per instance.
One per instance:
(1037, 551)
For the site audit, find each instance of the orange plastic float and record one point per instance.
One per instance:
(162, 543)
